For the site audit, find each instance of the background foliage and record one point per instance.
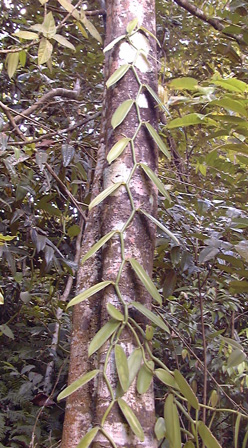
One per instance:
(203, 83)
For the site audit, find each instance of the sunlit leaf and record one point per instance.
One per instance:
(132, 25)
(90, 27)
(185, 83)
(1, 299)
(156, 98)
(121, 113)
(102, 335)
(104, 194)
(26, 35)
(145, 279)
(70, 8)
(122, 367)
(88, 293)
(113, 312)
(113, 42)
(159, 428)
(63, 41)
(173, 432)
(232, 84)
(155, 180)
(98, 245)
(131, 419)
(207, 437)
(49, 25)
(88, 438)
(158, 140)
(44, 51)
(79, 382)
(186, 389)
(12, 63)
(117, 149)
(150, 315)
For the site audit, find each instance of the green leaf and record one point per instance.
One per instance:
(49, 26)
(145, 377)
(117, 149)
(207, 437)
(155, 180)
(44, 51)
(81, 28)
(159, 428)
(186, 390)
(88, 293)
(12, 63)
(113, 42)
(185, 83)
(77, 384)
(6, 237)
(121, 113)
(145, 279)
(63, 41)
(26, 35)
(150, 315)
(158, 140)
(113, 312)
(242, 249)
(70, 8)
(90, 27)
(73, 230)
(134, 363)
(208, 253)
(98, 245)
(189, 120)
(173, 432)
(156, 98)
(117, 75)
(88, 438)
(236, 357)
(230, 104)
(7, 331)
(104, 194)
(232, 342)
(131, 419)
(102, 335)
(166, 378)
(189, 444)
(232, 84)
(236, 432)
(23, 58)
(132, 25)
(238, 286)
(122, 367)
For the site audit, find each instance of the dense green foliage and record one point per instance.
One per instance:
(203, 84)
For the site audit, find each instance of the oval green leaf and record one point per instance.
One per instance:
(186, 390)
(102, 335)
(132, 25)
(185, 83)
(121, 113)
(158, 140)
(44, 51)
(155, 180)
(150, 315)
(98, 245)
(145, 279)
(64, 42)
(88, 438)
(172, 424)
(122, 367)
(134, 363)
(119, 73)
(159, 428)
(104, 194)
(117, 149)
(207, 437)
(236, 357)
(145, 378)
(161, 226)
(12, 63)
(156, 98)
(112, 44)
(88, 293)
(26, 35)
(77, 384)
(113, 312)
(166, 378)
(131, 419)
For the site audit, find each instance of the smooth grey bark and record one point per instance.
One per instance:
(86, 407)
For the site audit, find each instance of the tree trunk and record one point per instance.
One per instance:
(86, 407)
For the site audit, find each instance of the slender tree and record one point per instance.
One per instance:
(119, 212)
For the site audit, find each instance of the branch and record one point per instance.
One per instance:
(197, 12)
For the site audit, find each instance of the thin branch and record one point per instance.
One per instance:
(17, 49)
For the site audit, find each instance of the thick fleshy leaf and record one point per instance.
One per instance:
(122, 367)
(134, 363)
(156, 98)
(64, 42)
(145, 378)
(162, 227)
(12, 63)
(145, 279)
(121, 113)
(155, 180)
(159, 428)
(77, 384)
(113, 42)
(88, 293)
(26, 35)
(44, 51)
(189, 444)
(131, 419)
(113, 312)
(102, 335)
(207, 437)
(150, 315)
(158, 140)
(88, 438)
(118, 74)
(186, 389)
(98, 245)
(236, 357)
(236, 432)
(172, 424)
(117, 149)
(132, 25)
(166, 378)
(104, 194)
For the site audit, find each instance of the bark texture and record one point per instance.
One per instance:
(86, 407)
